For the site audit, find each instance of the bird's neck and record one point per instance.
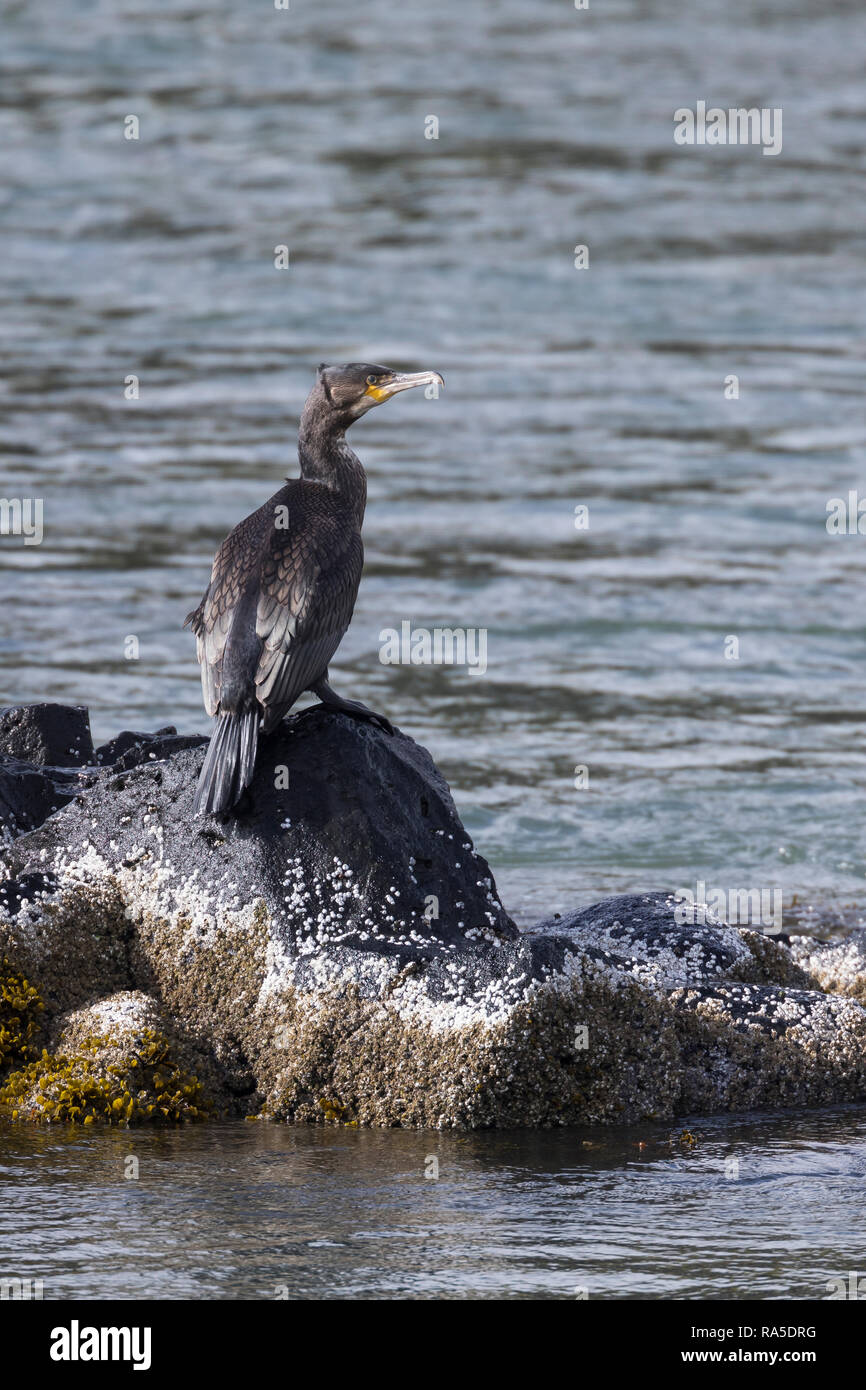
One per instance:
(325, 457)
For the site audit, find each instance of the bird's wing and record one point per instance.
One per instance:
(233, 569)
(309, 582)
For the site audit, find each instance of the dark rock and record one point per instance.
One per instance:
(640, 935)
(29, 794)
(47, 735)
(40, 748)
(130, 749)
(363, 846)
(634, 931)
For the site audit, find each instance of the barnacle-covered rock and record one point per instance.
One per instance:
(753, 1026)
(639, 934)
(335, 951)
(838, 966)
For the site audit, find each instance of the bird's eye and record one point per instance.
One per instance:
(371, 380)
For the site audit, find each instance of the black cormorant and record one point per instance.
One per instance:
(284, 583)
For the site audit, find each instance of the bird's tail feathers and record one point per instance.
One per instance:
(229, 762)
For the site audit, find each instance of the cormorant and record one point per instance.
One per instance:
(284, 583)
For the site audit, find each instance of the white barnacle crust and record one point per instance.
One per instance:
(299, 953)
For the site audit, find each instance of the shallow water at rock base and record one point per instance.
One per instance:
(758, 1207)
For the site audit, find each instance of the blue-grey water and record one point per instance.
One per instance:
(601, 387)
(764, 1208)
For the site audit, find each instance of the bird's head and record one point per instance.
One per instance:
(349, 391)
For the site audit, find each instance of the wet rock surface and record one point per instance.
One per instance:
(47, 735)
(41, 746)
(337, 952)
(29, 794)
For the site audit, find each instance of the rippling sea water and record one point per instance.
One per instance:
(763, 1207)
(602, 387)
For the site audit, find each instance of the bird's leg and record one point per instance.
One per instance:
(330, 698)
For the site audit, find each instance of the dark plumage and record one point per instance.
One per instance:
(284, 583)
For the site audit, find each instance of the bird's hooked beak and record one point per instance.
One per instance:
(402, 381)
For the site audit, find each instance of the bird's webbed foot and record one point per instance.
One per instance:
(332, 700)
(359, 711)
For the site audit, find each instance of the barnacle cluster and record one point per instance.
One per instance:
(110, 1078)
(20, 1008)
